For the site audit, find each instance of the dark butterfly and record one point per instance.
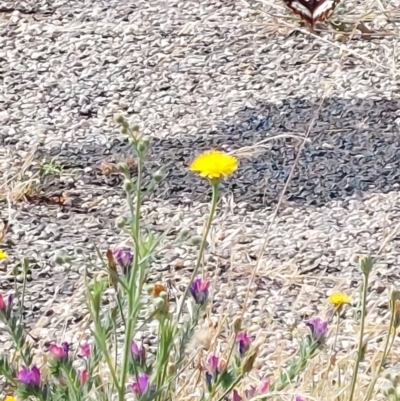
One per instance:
(312, 11)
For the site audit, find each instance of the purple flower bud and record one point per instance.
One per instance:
(236, 396)
(124, 257)
(35, 376)
(83, 376)
(208, 378)
(250, 392)
(199, 290)
(85, 350)
(243, 341)
(10, 299)
(213, 362)
(318, 328)
(59, 352)
(260, 389)
(263, 387)
(138, 353)
(24, 375)
(65, 347)
(2, 303)
(30, 377)
(298, 398)
(142, 385)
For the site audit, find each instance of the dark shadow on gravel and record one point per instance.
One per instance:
(354, 147)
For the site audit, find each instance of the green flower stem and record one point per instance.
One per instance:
(20, 338)
(104, 350)
(231, 387)
(71, 381)
(165, 341)
(296, 366)
(361, 337)
(338, 310)
(214, 201)
(386, 350)
(133, 295)
(17, 343)
(121, 308)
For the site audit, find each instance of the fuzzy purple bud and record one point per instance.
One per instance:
(263, 387)
(142, 385)
(298, 398)
(236, 396)
(243, 341)
(59, 352)
(259, 390)
(138, 353)
(199, 290)
(213, 362)
(30, 377)
(208, 378)
(318, 328)
(85, 350)
(124, 258)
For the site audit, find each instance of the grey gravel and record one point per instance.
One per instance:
(196, 76)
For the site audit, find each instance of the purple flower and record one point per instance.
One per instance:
(318, 329)
(2, 303)
(85, 350)
(298, 398)
(83, 376)
(263, 387)
(59, 352)
(260, 389)
(138, 353)
(199, 290)
(236, 396)
(30, 377)
(213, 362)
(124, 257)
(208, 378)
(212, 369)
(243, 341)
(142, 385)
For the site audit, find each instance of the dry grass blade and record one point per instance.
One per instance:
(276, 211)
(16, 187)
(4, 226)
(251, 150)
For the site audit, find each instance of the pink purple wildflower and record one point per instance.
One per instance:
(59, 352)
(243, 341)
(29, 376)
(199, 290)
(142, 385)
(318, 328)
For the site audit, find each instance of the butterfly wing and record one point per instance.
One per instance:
(312, 11)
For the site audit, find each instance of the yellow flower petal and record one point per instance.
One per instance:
(214, 164)
(9, 398)
(338, 299)
(3, 255)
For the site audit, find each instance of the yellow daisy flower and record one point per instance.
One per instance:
(338, 299)
(3, 255)
(214, 164)
(9, 398)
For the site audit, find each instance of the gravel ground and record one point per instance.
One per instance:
(196, 75)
